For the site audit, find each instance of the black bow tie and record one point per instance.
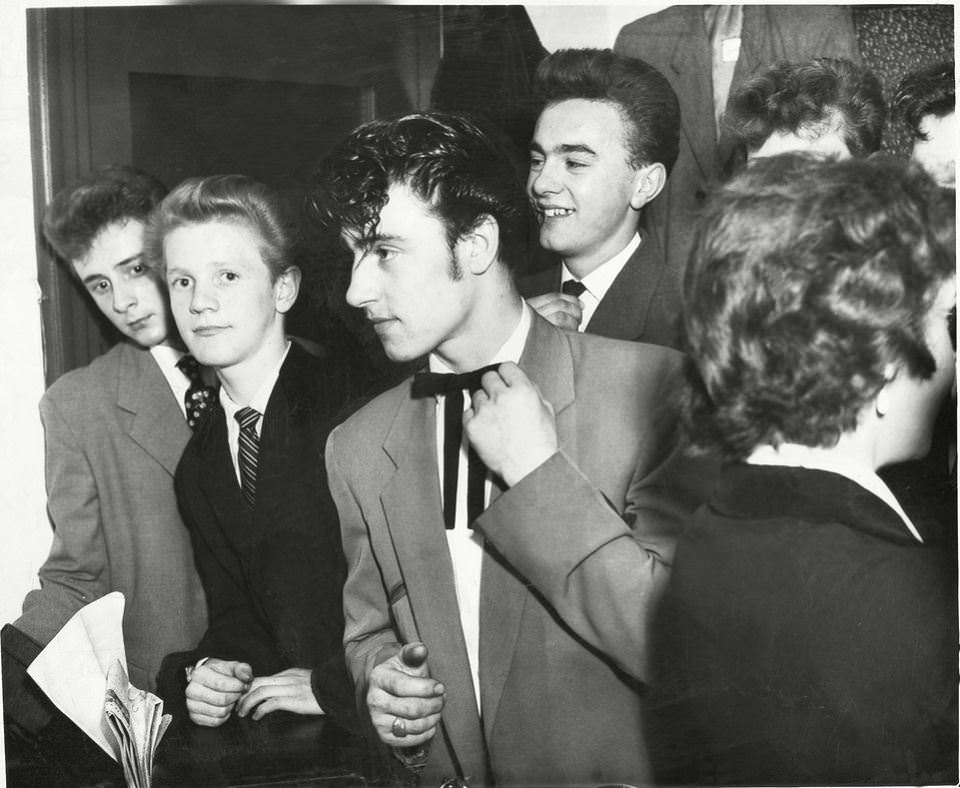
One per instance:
(430, 384)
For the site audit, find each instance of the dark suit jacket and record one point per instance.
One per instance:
(818, 637)
(676, 43)
(642, 304)
(556, 711)
(273, 575)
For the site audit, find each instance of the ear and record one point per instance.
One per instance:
(285, 289)
(479, 247)
(648, 182)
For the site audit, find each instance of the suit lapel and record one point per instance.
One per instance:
(547, 362)
(413, 513)
(157, 425)
(622, 313)
(692, 67)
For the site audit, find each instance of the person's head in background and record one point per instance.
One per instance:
(225, 252)
(926, 101)
(826, 106)
(817, 300)
(603, 146)
(96, 226)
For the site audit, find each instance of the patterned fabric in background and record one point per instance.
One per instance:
(897, 39)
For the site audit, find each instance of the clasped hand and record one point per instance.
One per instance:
(400, 689)
(219, 687)
(511, 426)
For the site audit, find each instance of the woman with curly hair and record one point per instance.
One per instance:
(818, 631)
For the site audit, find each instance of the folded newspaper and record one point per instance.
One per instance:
(82, 670)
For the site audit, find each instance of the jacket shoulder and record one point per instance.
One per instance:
(371, 422)
(674, 20)
(85, 387)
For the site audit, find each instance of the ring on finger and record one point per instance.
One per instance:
(399, 727)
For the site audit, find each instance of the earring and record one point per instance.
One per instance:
(882, 404)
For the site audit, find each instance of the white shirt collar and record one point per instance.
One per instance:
(795, 455)
(511, 350)
(599, 280)
(260, 399)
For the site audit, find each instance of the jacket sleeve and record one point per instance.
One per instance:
(369, 637)
(77, 569)
(603, 570)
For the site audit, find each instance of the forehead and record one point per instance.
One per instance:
(593, 122)
(114, 244)
(208, 243)
(404, 216)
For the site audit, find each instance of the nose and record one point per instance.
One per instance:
(543, 180)
(202, 298)
(124, 297)
(362, 280)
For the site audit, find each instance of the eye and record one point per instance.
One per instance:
(99, 287)
(138, 269)
(384, 253)
(230, 276)
(178, 283)
(574, 164)
(536, 160)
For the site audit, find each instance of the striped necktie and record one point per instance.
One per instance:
(247, 454)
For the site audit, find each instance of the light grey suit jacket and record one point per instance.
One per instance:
(114, 434)
(555, 710)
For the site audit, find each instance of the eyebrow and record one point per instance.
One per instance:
(126, 261)
(367, 243)
(565, 147)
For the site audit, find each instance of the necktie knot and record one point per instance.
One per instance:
(197, 398)
(573, 287)
(426, 384)
(247, 418)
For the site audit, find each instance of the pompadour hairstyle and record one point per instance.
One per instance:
(111, 194)
(646, 101)
(805, 280)
(223, 198)
(929, 91)
(463, 171)
(811, 98)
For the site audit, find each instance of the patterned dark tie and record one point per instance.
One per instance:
(199, 395)
(573, 287)
(249, 447)
(452, 386)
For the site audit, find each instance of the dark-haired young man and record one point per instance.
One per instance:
(602, 149)
(464, 669)
(114, 432)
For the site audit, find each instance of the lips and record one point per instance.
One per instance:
(140, 323)
(208, 331)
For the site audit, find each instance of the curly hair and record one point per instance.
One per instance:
(809, 99)
(223, 198)
(647, 103)
(448, 160)
(929, 91)
(806, 279)
(80, 212)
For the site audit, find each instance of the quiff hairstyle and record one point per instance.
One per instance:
(647, 103)
(223, 198)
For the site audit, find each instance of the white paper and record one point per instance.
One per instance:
(72, 669)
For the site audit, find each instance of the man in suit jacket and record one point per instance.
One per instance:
(684, 42)
(602, 149)
(464, 669)
(114, 434)
(251, 482)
